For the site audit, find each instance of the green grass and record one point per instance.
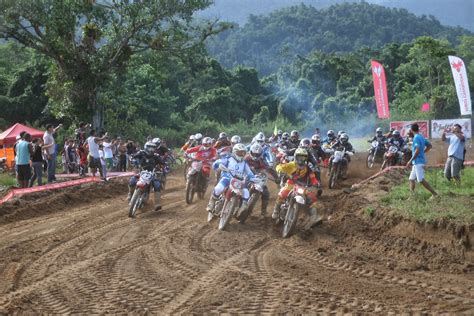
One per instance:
(456, 202)
(7, 180)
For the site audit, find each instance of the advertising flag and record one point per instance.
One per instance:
(380, 90)
(462, 86)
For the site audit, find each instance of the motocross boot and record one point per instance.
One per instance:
(263, 212)
(313, 217)
(276, 210)
(130, 193)
(157, 200)
(242, 209)
(211, 204)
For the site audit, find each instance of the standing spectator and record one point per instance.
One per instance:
(37, 161)
(103, 161)
(455, 159)
(48, 139)
(122, 154)
(108, 153)
(418, 161)
(94, 160)
(81, 133)
(131, 150)
(24, 153)
(82, 153)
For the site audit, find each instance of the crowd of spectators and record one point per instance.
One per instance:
(85, 150)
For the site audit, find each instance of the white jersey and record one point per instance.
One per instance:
(238, 169)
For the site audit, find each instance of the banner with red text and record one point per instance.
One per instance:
(404, 127)
(380, 90)
(438, 127)
(462, 86)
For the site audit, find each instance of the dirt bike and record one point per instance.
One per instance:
(392, 157)
(376, 154)
(256, 187)
(142, 190)
(230, 200)
(196, 181)
(336, 164)
(290, 209)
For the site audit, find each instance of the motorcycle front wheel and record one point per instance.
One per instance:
(333, 176)
(227, 211)
(370, 161)
(291, 219)
(135, 202)
(190, 190)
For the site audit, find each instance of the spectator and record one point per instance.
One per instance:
(122, 155)
(131, 150)
(455, 159)
(37, 161)
(103, 161)
(24, 153)
(81, 133)
(108, 153)
(94, 159)
(48, 139)
(82, 153)
(418, 161)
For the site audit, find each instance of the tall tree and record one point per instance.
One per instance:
(91, 40)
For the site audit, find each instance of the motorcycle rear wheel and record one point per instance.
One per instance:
(135, 202)
(333, 176)
(291, 219)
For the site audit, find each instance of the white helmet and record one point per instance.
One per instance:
(222, 135)
(150, 147)
(256, 151)
(344, 138)
(379, 131)
(260, 137)
(305, 143)
(198, 137)
(239, 151)
(207, 142)
(192, 138)
(339, 134)
(235, 139)
(157, 141)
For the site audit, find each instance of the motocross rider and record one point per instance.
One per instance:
(258, 165)
(205, 153)
(222, 141)
(398, 141)
(294, 139)
(190, 143)
(343, 142)
(379, 136)
(161, 149)
(331, 137)
(298, 171)
(238, 167)
(277, 138)
(148, 159)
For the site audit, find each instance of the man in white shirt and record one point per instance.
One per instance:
(48, 140)
(94, 160)
(108, 153)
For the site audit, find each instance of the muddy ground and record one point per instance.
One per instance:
(77, 252)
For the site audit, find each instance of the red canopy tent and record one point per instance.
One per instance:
(8, 137)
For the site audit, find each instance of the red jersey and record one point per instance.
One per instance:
(203, 155)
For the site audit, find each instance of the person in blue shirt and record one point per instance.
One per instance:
(455, 159)
(418, 161)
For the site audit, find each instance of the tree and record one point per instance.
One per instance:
(90, 40)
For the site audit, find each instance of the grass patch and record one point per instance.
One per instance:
(7, 180)
(370, 211)
(456, 202)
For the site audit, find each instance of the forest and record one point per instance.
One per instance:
(298, 67)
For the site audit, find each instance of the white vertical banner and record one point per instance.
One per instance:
(462, 86)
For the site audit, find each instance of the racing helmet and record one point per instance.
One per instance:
(316, 139)
(198, 137)
(157, 141)
(150, 147)
(222, 136)
(305, 143)
(239, 151)
(207, 142)
(260, 138)
(301, 156)
(235, 139)
(285, 136)
(379, 131)
(331, 134)
(344, 138)
(396, 134)
(294, 134)
(256, 151)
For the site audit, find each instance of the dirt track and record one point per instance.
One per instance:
(94, 259)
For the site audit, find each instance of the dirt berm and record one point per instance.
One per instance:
(78, 252)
